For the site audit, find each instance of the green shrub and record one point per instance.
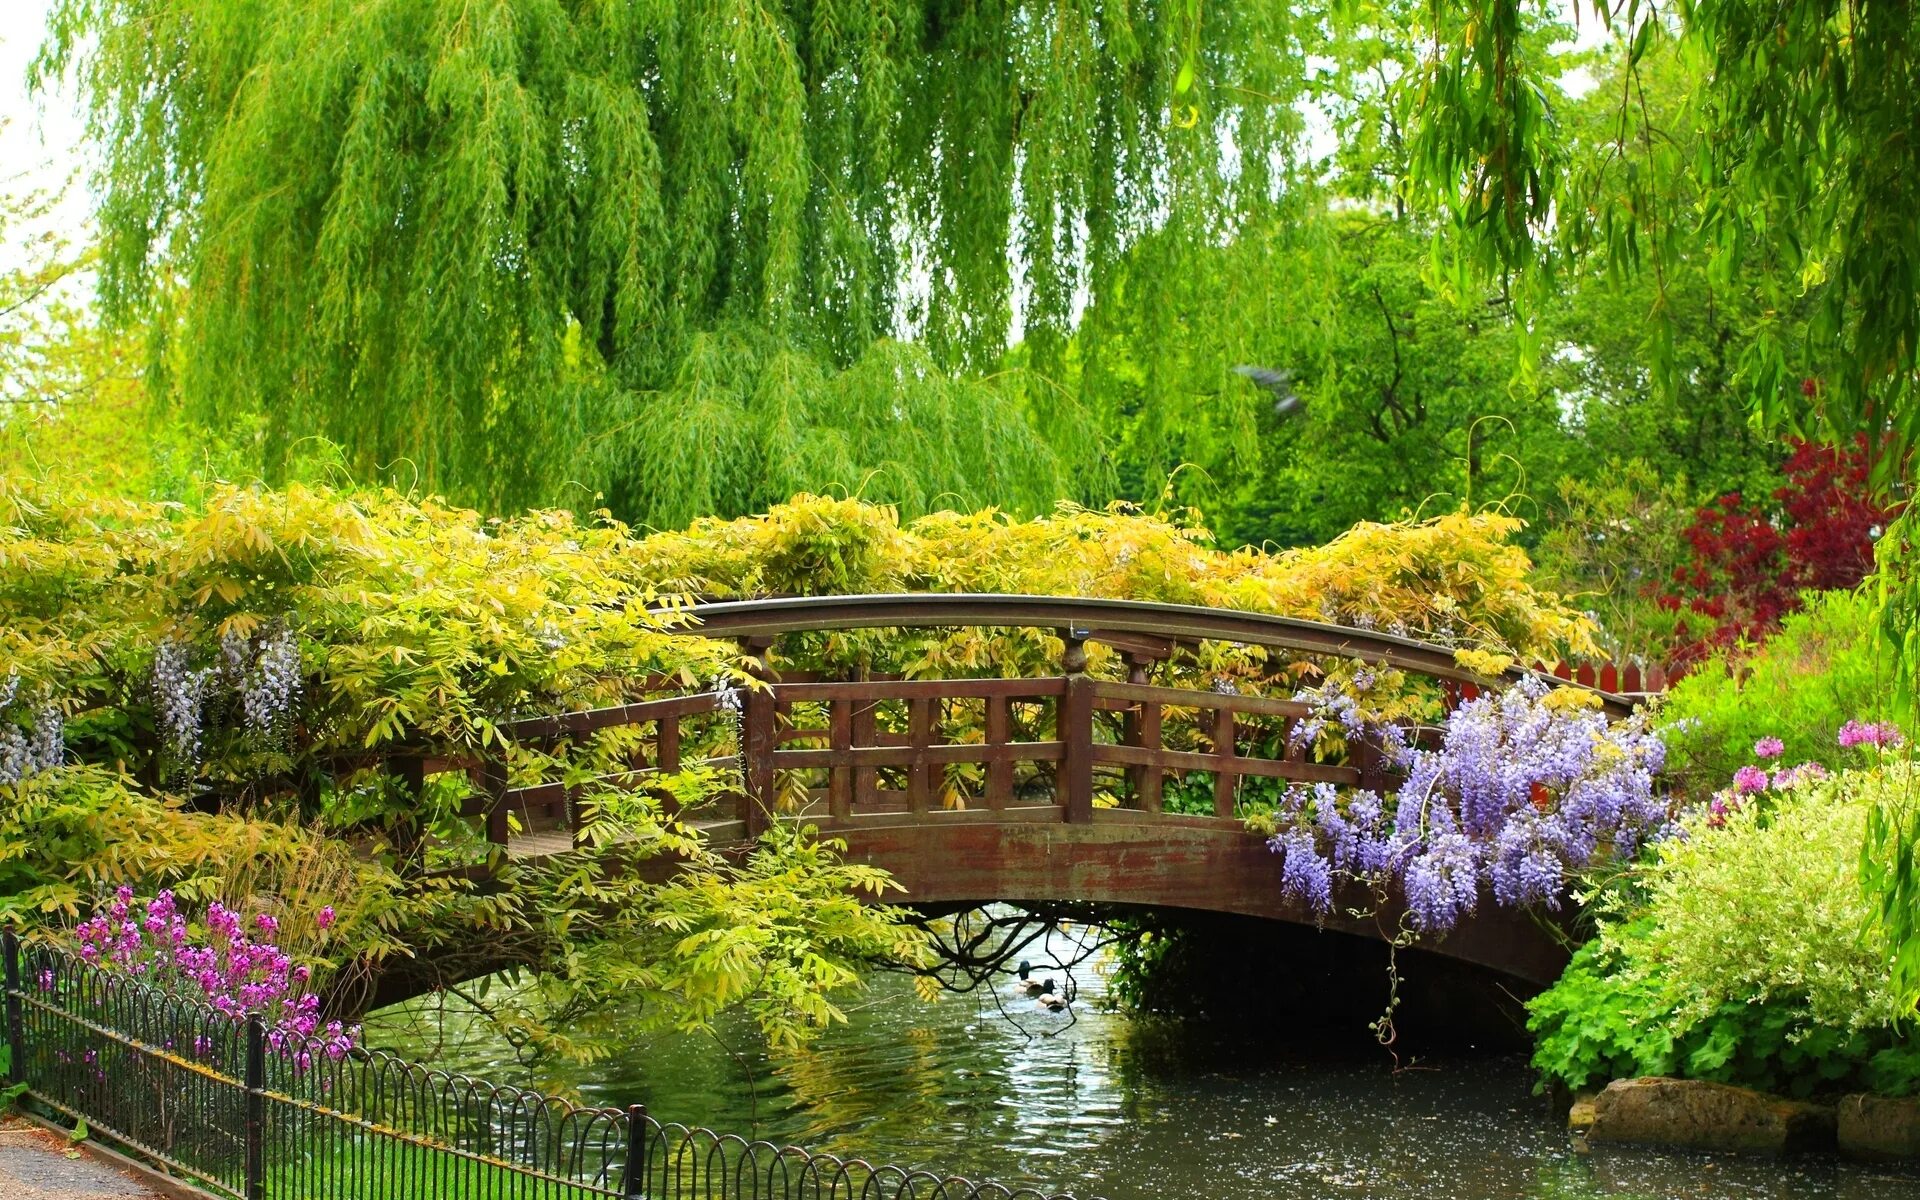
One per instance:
(1827, 666)
(1755, 960)
(221, 698)
(1611, 543)
(1458, 578)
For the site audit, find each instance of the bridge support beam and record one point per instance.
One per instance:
(1197, 863)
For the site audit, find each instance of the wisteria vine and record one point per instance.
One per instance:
(1524, 790)
(40, 746)
(259, 673)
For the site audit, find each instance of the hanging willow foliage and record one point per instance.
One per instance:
(668, 249)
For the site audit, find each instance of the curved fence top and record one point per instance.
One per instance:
(1092, 620)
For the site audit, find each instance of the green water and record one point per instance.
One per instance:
(1103, 1105)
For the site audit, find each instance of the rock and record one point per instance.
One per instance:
(1697, 1115)
(1879, 1128)
(1580, 1120)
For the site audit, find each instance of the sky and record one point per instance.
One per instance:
(39, 140)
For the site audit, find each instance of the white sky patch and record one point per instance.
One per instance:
(40, 136)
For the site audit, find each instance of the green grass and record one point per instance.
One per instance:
(382, 1168)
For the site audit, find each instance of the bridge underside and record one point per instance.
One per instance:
(1125, 858)
(1120, 858)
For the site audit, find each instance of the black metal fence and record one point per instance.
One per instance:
(251, 1113)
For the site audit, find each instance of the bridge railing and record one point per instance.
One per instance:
(1068, 746)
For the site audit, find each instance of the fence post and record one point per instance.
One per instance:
(16, 1039)
(633, 1181)
(256, 1084)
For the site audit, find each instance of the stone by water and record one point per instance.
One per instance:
(1132, 1109)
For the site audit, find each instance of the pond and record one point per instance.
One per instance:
(1103, 1105)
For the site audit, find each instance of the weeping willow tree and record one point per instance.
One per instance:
(688, 253)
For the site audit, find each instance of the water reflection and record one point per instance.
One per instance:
(1134, 1110)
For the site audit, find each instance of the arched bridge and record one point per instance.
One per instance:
(1112, 786)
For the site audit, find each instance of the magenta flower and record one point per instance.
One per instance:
(325, 919)
(1879, 734)
(1806, 772)
(231, 972)
(1749, 779)
(1769, 747)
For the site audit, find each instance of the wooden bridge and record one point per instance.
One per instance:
(1069, 771)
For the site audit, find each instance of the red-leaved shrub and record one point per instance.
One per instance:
(1752, 561)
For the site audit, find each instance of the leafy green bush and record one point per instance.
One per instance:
(73, 833)
(1611, 542)
(222, 698)
(1457, 579)
(1756, 959)
(1827, 665)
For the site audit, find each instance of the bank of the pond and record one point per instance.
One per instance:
(1137, 1110)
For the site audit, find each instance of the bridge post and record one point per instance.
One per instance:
(493, 784)
(1075, 783)
(1226, 781)
(840, 775)
(1141, 727)
(411, 770)
(1369, 757)
(759, 739)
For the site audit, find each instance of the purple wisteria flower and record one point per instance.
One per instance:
(1769, 747)
(1520, 794)
(1442, 882)
(1305, 876)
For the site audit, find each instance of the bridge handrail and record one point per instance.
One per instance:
(1096, 620)
(852, 751)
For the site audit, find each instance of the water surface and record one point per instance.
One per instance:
(1100, 1104)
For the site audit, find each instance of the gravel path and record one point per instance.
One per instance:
(38, 1165)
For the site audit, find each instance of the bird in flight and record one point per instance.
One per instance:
(1279, 382)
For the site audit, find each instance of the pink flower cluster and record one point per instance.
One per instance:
(1753, 779)
(1806, 772)
(1882, 735)
(234, 972)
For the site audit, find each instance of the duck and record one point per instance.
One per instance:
(1028, 985)
(1048, 1000)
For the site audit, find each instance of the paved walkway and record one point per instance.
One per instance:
(38, 1165)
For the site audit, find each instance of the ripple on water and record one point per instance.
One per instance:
(1137, 1111)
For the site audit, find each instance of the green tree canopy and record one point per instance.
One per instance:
(495, 244)
(1791, 158)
